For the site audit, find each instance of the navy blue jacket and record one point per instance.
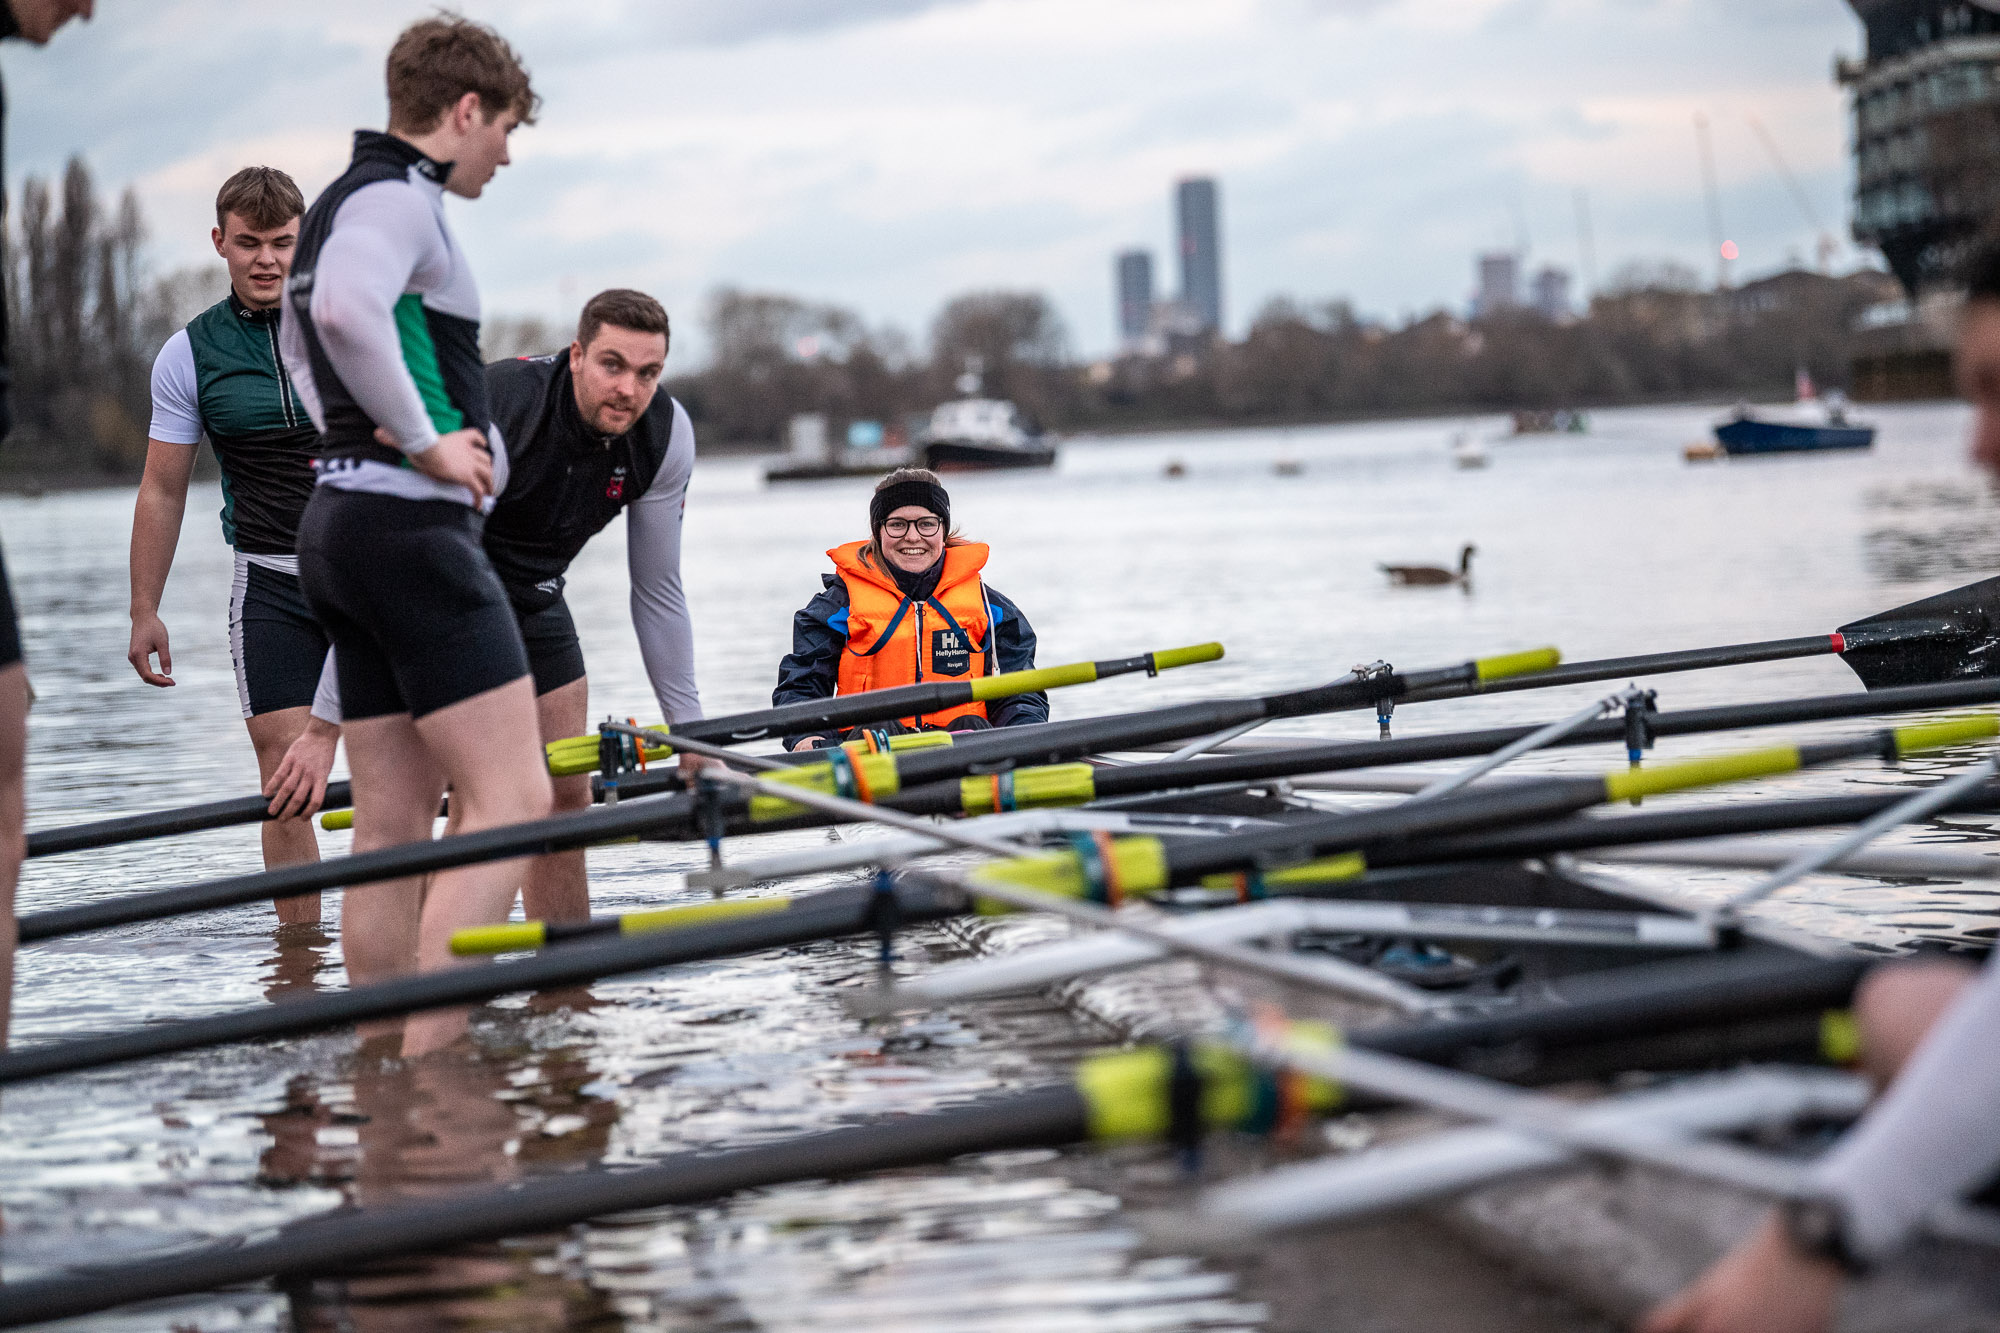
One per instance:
(819, 636)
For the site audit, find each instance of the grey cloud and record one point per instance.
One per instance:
(705, 23)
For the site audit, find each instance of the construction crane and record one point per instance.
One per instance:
(1825, 245)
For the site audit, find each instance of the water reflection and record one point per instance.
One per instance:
(300, 953)
(434, 1127)
(1933, 529)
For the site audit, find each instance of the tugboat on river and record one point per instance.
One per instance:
(974, 433)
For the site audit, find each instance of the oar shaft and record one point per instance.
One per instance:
(1584, 833)
(1340, 756)
(820, 916)
(167, 823)
(1611, 668)
(558, 833)
(1046, 1117)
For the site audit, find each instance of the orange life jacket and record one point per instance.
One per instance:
(892, 640)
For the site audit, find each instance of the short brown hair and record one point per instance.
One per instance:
(264, 197)
(439, 60)
(625, 308)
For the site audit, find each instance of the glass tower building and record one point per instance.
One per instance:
(1195, 207)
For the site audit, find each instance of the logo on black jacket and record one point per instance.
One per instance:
(615, 488)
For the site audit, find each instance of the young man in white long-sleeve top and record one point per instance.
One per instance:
(1930, 1034)
(588, 437)
(381, 338)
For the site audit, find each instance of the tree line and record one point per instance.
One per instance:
(86, 318)
(1652, 335)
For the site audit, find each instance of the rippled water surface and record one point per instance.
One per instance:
(1605, 544)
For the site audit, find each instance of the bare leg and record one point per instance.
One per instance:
(13, 820)
(1897, 1005)
(558, 889)
(287, 842)
(490, 749)
(396, 789)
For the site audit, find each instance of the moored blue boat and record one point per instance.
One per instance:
(1747, 435)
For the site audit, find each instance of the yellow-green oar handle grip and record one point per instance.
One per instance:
(508, 937)
(1946, 731)
(697, 914)
(333, 821)
(1706, 772)
(1169, 658)
(1517, 664)
(1009, 683)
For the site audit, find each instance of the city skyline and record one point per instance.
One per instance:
(886, 155)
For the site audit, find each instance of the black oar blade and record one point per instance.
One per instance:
(1952, 636)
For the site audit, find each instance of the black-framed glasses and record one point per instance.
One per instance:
(900, 527)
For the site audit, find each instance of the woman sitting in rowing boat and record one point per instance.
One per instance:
(904, 607)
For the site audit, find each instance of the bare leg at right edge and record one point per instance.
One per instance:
(13, 818)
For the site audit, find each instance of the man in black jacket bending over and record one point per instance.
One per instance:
(587, 437)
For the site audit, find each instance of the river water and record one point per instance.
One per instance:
(1602, 544)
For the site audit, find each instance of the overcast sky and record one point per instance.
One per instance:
(887, 154)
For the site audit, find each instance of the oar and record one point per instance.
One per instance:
(1143, 865)
(750, 927)
(166, 823)
(1103, 868)
(1930, 862)
(1152, 1093)
(1585, 834)
(1135, 866)
(679, 816)
(1589, 1026)
(1080, 784)
(1629, 1013)
(876, 778)
(1951, 635)
(580, 754)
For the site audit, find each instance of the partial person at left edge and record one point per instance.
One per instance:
(32, 21)
(222, 377)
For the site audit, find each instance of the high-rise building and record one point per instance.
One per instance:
(1499, 284)
(1549, 294)
(1927, 163)
(1135, 295)
(1196, 209)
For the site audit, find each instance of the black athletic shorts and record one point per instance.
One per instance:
(10, 628)
(277, 647)
(409, 599)
(555, 654)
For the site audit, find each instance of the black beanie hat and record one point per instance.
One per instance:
(913, 492)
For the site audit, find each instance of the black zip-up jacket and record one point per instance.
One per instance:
(566, 481)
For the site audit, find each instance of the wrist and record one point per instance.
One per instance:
(1816, 1228)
